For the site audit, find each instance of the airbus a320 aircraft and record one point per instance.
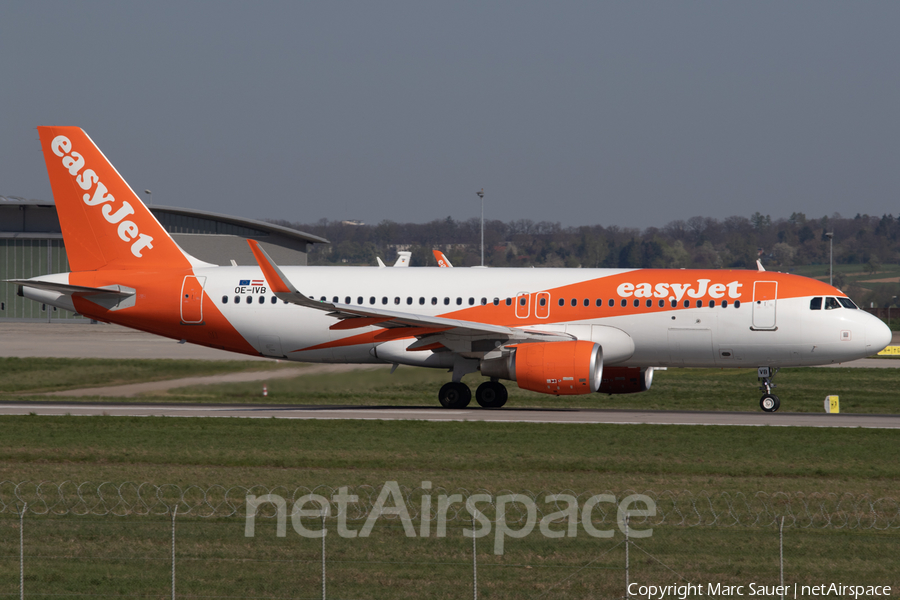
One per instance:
(554, 331)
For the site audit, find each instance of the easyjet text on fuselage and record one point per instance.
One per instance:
(677, 291)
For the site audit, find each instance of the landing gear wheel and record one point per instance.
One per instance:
(491, 394)
(455, 395)
(769, 403)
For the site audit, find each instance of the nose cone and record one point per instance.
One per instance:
(878, 336)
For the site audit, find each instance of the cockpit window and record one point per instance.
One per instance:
(831, 303)
(847, 303)
(815, 304)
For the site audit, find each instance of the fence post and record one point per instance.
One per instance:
(474, 562)
(627, 543)
(174, 512)
(22, 552)
(323, 555)
(781, 554)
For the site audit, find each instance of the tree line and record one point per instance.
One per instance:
(699, 242)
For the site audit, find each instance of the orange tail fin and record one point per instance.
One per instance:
(104, 223)
(441, 259)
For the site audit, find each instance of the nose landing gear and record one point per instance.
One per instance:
(769, 402)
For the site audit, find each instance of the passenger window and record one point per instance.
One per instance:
(471, 301)
(522, 301)
(446, 301)
(262, 299)
(687, 303)
(274, 300)
(542, 301)
(587, 302)
(359, 300)
(649, 303)
(509, 302)
(335, 299)
(496, 301)
(831, 303)
(384, 300)
(712, 303)
(574, 302)
(637, 302)
(847, 303)
(323, 298)
(409, 299)
(433, 301)
(458, 301)
(371, 299)
(662, 303)
(396, 299)
(599, 302)
(737, 303)
(421, 300)
(724, 303)
(347, 300)
(224, 299)
(674, 303)
(483, 301)
(624, 302)
(612, 302)
(815, 304)
(562, 302)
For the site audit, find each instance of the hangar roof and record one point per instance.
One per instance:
(205, 222)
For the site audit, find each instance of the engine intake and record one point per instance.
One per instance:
(558, 368)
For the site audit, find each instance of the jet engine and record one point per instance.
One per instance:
(626, 380)
(559, 368)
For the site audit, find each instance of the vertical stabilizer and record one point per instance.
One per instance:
(104, 224)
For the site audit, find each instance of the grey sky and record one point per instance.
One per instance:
(623, 113)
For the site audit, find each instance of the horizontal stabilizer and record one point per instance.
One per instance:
(65, 288)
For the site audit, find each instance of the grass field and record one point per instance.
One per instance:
(801, 390)
(68, 556)
(33, 375)
(120, 555)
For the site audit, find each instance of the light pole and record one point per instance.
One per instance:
(893, 299)
(149, 193)
(830, 236)
(481, 195)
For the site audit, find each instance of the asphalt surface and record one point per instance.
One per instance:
(423, 413)
(100, 340)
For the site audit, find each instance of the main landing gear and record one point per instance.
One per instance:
(769, 402)
(456, 395)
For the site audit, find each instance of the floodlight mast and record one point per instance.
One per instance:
(481, 195)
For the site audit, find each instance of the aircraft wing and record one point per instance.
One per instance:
(362, 316)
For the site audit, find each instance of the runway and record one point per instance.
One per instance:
(436, 414)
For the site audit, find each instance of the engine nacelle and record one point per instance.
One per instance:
(559, 368)
(626, 380)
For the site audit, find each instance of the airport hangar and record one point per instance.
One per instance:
(31, 244)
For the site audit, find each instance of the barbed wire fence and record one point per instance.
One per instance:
(677, 508)
(112, 530)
